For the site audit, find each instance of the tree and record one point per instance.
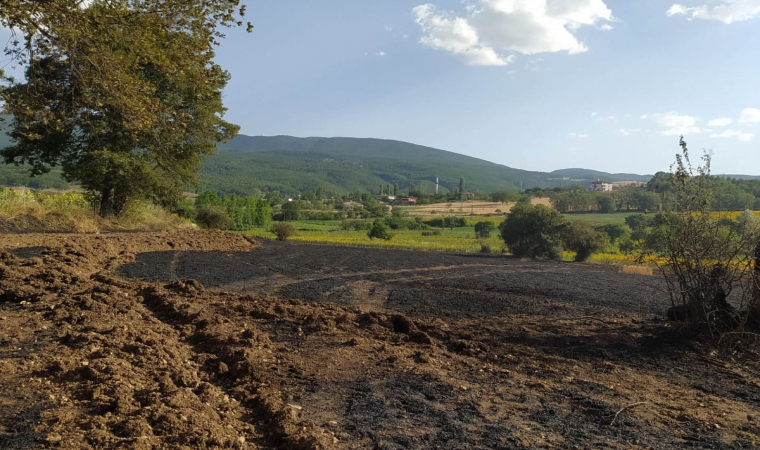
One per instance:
(534, 231)
(483, 229)
(380, 230)
(584, 240)
(461, 188)
(122, 94)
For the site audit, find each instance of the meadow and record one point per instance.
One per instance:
(457, 240)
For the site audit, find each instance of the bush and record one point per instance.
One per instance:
(703, 260)
(185, 209)
(485, 248)
(282, 230)
(355, 225)
(213, 217)
(380, 230)
(431, 233)
(584, 240)
(534, 231)
(483, 229)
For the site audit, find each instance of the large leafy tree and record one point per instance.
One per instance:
(124, 95)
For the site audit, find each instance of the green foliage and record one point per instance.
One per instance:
(483, 229)
(534, 231)
(291, 210)
(282, 230)
(380, 230)
(244, 212)
(213, 217)
(184, 208)
(614, 232)
(122, 95)
(584, 240)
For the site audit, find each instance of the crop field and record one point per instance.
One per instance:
(201, 340)
(466, 208)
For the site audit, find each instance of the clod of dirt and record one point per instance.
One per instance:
(402, 324)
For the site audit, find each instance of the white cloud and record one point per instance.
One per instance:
(605, 27)
(493, 30)
(606, 118)
(577, 135)
(726, 11)
(750, 115)
(629, 131)
(673, 124)
(745, 137)
(720, 122)
(380, 53)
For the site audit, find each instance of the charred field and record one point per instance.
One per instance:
(200, 340)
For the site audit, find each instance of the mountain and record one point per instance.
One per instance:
(587, 174)
(248, 164)
(339, 165)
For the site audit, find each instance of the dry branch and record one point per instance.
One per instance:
(632, 405)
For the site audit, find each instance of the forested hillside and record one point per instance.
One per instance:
(339, 165)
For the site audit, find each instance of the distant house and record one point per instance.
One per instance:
(469, 195)
(601, 186)
(405, 201)
(385, 198)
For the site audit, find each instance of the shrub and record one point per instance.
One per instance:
(213, 217)
(185, 209)
(534, 231)
(483, 229)
(431, 233)
(702, 260)
(485, 248)
(282, 230)
(584, 240)
(380, 230)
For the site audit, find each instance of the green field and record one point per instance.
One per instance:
(599, 219)
(461, 240)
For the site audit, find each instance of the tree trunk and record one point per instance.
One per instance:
(106, 203)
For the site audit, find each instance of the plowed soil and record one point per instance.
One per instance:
(200, 340)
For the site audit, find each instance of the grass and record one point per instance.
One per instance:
(599, 219)
(460, 240)
(24, 210)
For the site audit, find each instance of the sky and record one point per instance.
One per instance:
(532, 84)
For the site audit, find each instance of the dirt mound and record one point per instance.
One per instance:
(91, 359)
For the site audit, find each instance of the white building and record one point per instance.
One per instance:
(601, 186)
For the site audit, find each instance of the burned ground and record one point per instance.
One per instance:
(207, 340)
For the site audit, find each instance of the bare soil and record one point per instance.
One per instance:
(200, 340)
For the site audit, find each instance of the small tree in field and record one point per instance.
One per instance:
(584, 240)
(380, 230)
(282, 230)
(483, 229)
(703, 259)
(534, 231)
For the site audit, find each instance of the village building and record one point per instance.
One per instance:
(601, 186)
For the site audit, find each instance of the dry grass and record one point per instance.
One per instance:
(470, 207)
(23, 210)
(636, 270)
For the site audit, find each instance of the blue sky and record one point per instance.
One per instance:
(532, 84)
(537, 85)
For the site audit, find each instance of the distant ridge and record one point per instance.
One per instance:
(588, 174)
(338, 164)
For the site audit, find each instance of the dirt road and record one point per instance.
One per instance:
(104, 343)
